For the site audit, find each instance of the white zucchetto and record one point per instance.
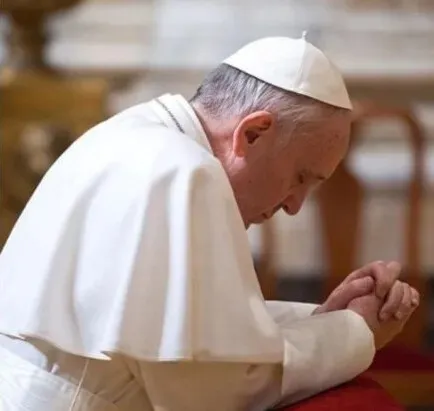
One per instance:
(294, 65)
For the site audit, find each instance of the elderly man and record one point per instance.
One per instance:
(128, 283)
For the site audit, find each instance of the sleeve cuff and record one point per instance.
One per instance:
(323, 351)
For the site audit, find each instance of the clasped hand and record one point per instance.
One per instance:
(375, 293)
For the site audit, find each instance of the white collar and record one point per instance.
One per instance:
(176, 112)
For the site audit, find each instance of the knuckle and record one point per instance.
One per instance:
(389, 309)
(400, 286)
(354, 286)
(406, 306)
(395, 305)
(379, 263)
(396, 267)
(365, 283)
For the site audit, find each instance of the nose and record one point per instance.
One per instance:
(293, 203)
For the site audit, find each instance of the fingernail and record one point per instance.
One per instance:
(414, 301)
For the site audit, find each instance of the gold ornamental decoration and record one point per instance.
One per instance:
(27, 38)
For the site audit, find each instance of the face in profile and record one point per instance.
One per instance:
(273, 175)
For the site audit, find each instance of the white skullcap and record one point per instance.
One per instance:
(294, 65)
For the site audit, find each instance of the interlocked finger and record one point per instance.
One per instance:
(405, 307)
(393, 301)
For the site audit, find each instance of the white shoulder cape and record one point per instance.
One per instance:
(133, 244)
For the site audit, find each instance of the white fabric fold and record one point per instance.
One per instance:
(26, 387)
(134, 244)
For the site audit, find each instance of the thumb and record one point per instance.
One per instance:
(343, 295)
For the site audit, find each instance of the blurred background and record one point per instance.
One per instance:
(68, 64)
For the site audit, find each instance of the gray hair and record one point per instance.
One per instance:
(227, 91)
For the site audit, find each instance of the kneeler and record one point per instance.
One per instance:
(403, 368)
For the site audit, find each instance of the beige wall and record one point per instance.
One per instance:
(395, 35)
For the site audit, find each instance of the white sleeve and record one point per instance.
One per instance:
(315, 359)
(284, 311)
(323, 351)
(338, 346)
(199, 386)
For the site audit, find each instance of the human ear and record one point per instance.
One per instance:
(251, 129)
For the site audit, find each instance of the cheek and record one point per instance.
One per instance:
(274, 190)
(265, 188)
(258, 193)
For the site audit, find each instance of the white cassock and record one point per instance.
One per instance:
(128, 284)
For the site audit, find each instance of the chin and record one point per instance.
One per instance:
(258, 220)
